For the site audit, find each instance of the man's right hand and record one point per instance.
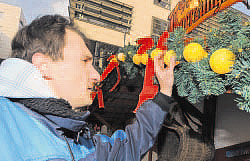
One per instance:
(165, 76)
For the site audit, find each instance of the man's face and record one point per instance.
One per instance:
(74, 76)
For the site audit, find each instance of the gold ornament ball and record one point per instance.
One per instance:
(222, 61)
(144, 59)
(194, 52)
(246, 24)
(121, 57)
(155, 53)
(113, 60)
(168, 55)
(137, 59)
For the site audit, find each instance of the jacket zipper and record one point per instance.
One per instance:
(71, 154)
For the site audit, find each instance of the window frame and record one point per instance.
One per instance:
(161, 4)
(154, 35)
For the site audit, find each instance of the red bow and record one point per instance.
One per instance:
(112, 64)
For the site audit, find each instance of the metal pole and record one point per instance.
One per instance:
(124, 40)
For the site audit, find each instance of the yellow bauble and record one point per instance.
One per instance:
(137, 59)
(194, 52)
(113, 60)
(121, 57)
(168, 55)
(144, 59)
(222, 60)
(155, 53)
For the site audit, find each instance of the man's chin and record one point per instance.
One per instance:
(87, 103)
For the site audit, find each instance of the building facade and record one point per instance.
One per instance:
(114, 23)
(120, 22)
(11, 20)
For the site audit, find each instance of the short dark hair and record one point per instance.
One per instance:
(45, 35)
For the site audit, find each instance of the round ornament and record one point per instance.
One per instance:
(155, 53)
(137, 59)
(222, 61)
(168, 55)
(113, 60)
(144, 59)
(194, 52)
(121, 57)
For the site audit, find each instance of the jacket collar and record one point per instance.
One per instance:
(68, 123)
(21, 79)
(59, 125)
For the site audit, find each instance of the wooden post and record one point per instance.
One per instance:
(209, 117)
(208, 5)
(150, 155)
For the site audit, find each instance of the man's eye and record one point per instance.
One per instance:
(87, 59)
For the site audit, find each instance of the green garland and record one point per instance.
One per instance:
(195, 81)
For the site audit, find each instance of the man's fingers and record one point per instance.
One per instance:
(156, 65)
(159, 63)
(159, 60)
(160, 54)
(172, 62)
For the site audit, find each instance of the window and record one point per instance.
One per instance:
(78, 6)
(107, 13)
(158, 26)
(163, 3)
(101, 51)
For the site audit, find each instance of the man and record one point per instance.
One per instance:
(49, 75)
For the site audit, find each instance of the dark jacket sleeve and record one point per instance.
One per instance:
(139, 137)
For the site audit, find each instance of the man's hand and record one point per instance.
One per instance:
(165, 76)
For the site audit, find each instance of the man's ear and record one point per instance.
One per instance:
(41, 62)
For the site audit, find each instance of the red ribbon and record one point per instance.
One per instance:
(112, 64)
(162, 41)
(146, 44)
(149, 90)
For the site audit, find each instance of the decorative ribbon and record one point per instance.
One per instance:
(162, 41)
(146, 44)
(112, 64)
(149, 90)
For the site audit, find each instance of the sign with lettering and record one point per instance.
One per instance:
(190, 13)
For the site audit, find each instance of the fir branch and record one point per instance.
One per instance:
(176, 42)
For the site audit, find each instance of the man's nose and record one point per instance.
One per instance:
(94, 74)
